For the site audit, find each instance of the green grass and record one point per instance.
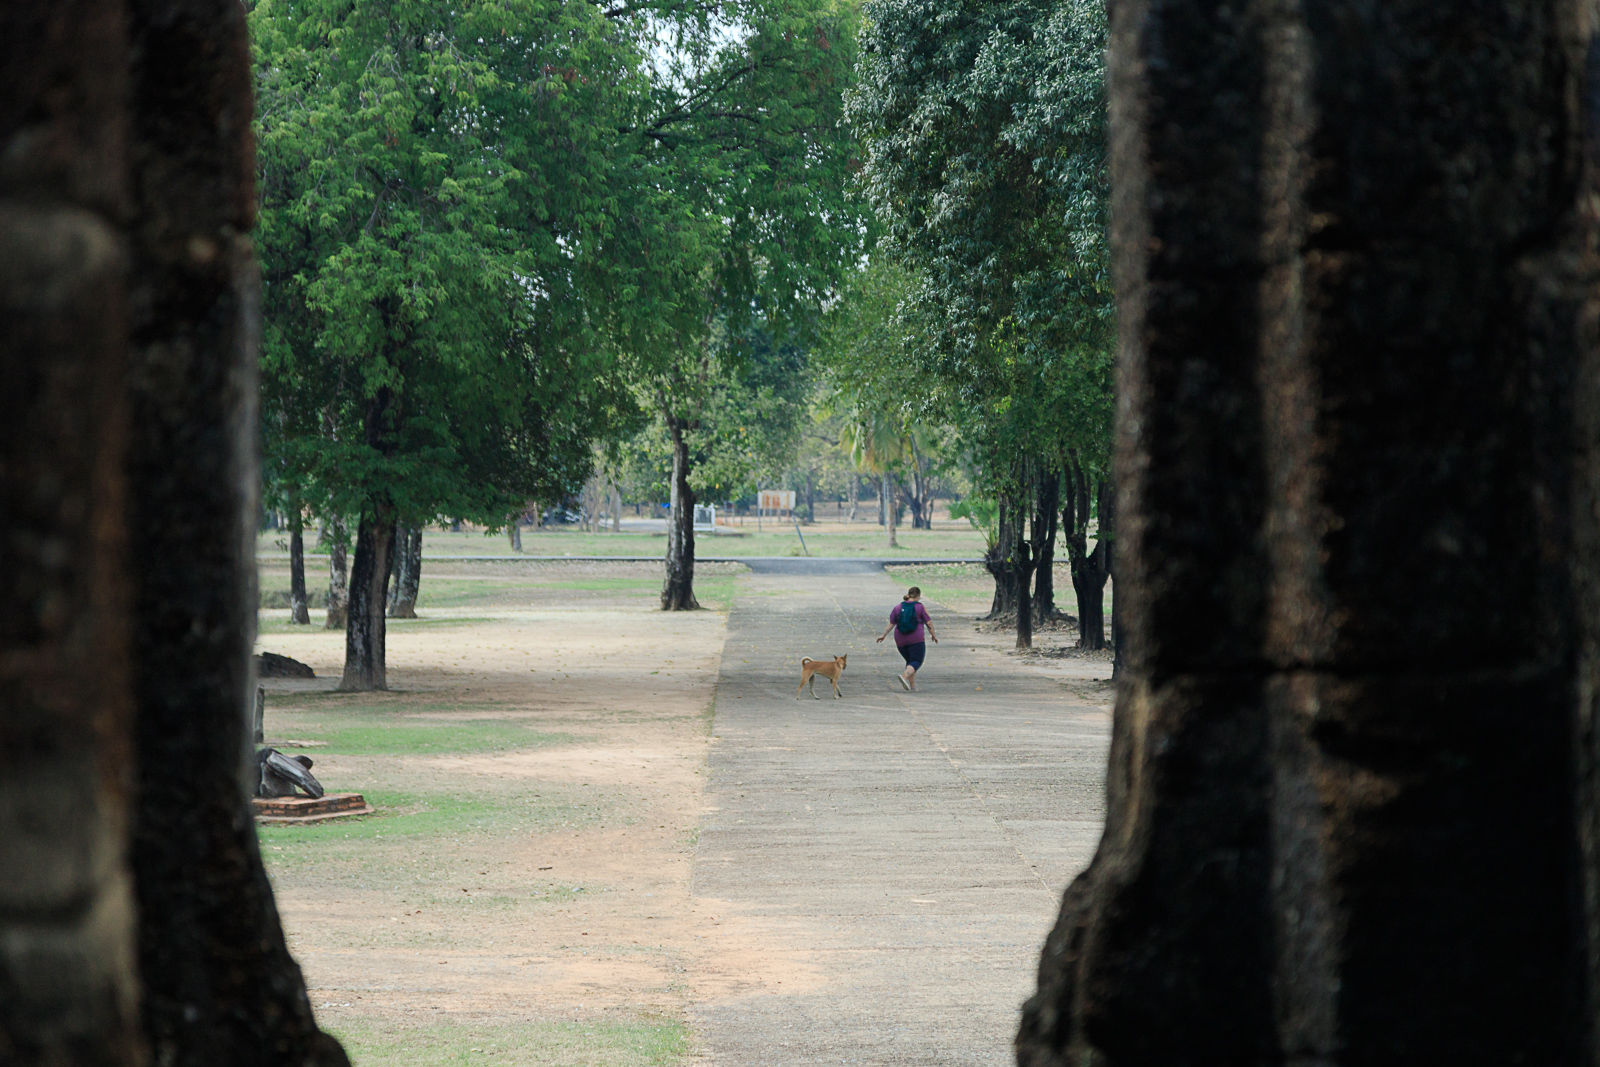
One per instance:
(432, 738)
(969, 586)
(860, 540)
(459, 592)
(391, 724)
(388, 702)
(933, 574)
(644, 1042)
(714, 591)
(267, 624)
(404, 817)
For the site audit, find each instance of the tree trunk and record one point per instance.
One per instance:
(514, 532)
(589, 505)
(677, 591)
(1047, 498)
(299, 609)
(1090, 568)
(216, 983)
(855, 497)
(1089, 577)
(366, 628)
(921, 505)
(890, 506)
(1106, 537)
(334, 536)
(616, 507)
(408, 551)
(997, 560)
(1022, 562)
(1353, 812)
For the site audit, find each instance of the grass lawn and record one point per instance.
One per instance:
(945, 541)
(968, 589)
(452, 585)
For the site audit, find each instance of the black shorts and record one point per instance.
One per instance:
(913, 654)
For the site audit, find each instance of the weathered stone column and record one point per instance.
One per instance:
(68, 986)
(219, 985)
(1349, 783)
(136, 921)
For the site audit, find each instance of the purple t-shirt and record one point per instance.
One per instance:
(915, 635)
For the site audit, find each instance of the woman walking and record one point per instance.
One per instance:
(907, 622)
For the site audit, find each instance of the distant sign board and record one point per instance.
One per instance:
(705, 517)
(777, 499)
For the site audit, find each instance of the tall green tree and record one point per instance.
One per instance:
(886, 404)
(983, 127)
(753, 229)
(755, 393)
(423, 168)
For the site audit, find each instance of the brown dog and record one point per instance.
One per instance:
(828, 668)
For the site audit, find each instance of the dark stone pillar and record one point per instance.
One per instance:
(1356, 546)
(219, 985)
(68, 982)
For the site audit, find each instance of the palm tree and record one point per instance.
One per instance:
(879, 444)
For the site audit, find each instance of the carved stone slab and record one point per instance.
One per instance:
(309, 809)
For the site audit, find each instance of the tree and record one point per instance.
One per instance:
(136, 920)
(984, 134)
(892, 417)
(1358, 528)
(408, 297)
(407, 572)
(754, 390)
(1087, 495)
(740, 219)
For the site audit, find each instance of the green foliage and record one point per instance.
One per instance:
(983, 125)
(745, 427)
(895, 416)
(983, 513)
(748, 138)
(984, 132)
(425, 169)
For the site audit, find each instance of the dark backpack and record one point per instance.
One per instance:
(907, 619)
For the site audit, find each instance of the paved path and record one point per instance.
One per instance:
(902, 853)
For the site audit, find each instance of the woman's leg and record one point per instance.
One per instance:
(914, 654)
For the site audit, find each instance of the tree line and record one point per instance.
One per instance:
(501, 239)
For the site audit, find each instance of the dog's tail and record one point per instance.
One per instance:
(806, 659)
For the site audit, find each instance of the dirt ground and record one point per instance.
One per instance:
(523, 894)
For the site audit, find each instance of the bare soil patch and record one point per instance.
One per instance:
(523, 894)
(528, 873)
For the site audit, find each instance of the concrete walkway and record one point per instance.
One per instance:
(902, 853)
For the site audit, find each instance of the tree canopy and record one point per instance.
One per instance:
(983, 128)
(422, 178)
